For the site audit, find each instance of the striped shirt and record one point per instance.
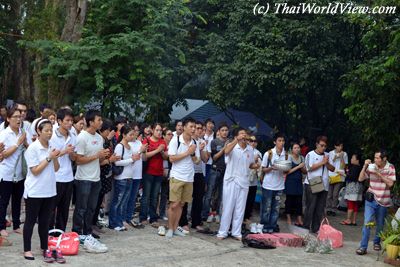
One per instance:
(380, 190)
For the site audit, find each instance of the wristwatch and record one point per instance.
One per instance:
(48, 159)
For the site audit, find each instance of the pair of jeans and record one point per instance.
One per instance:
(131, 203)
(199, 187)
(14, 191)
(373, 211)
(37, 210)
(315, 208)
(122, 189)
(270, 205)
(59, 215)
(214, 192)
(149, 201)
(87, 195)
(164, 197)
(251, 198)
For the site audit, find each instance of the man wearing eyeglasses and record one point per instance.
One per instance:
(317, 164)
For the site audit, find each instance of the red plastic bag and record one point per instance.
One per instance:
(326, 231)
(67, 242)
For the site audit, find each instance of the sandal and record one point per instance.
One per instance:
(155, 224)
(345, 223)
(377, 247)
(361, 251)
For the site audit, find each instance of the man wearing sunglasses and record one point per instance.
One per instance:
(317, 164)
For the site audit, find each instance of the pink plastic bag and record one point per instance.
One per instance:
(326, 231)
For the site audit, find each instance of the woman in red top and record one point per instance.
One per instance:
(152, 178)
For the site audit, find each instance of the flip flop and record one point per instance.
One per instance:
(345, 223)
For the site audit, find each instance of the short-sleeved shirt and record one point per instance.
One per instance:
(312, 158)
(44, 184)
(238, 165)
(201, 166)
(338, 163)
(132, 169)
(8, 167)
(208, 139)
(273, 180)
(64, 174)
(183, 169)
(155, 163)
(88, 145)
(216, 146)
(376, 186)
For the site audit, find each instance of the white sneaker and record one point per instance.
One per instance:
(91, 245)
(161, 231)
(217, 218)
(180, 229)
(260, 228)
(97, 241)
(253, 228)
(165, 218)
(119, 229)
(179, 233)
(169, 233)
(210, 218)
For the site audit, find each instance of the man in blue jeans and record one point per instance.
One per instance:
(382, 176)
(273, 184)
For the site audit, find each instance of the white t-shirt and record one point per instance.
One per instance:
(44, 184)
(183, 169)
(257, 154)
(338, 164)
(311, 159)
(26, 126)
(7, 165)
(88, 145)
(209, 138)
(201, 167)
(64, 174)
(132, 169)
(238, 165)
(274, 180)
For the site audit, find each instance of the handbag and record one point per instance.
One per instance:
(24, 167)
(335, 179)
(117, 170)
(68, 243)
(316, 183)
(326, 231)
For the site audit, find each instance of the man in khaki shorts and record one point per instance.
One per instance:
(182, 151)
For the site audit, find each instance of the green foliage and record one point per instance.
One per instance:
(130, 58)
(373, 87)
(284, 68)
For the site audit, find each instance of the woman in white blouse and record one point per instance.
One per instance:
(11, 174)
(124, 181)
(40, 190)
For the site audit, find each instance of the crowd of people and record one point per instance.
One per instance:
(99, 166)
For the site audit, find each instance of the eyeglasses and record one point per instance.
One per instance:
(252, 141)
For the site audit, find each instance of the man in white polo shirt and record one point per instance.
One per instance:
(182, 152)
(239, 158)
(273, 184)
(63, 140)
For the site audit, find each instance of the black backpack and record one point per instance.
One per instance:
(117, 170)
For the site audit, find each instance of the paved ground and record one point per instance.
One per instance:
(145, 248)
